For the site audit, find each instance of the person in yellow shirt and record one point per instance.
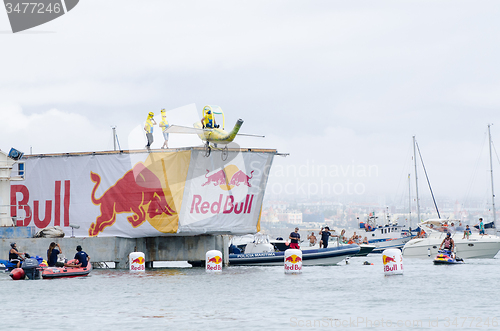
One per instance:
(164, 125)
(208, 121)
(149, 129)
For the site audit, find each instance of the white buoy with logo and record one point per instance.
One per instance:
(213, 261)
(293, 261)
(137, 262)
(393, 262)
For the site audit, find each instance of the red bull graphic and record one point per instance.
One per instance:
(386, 259)
(293, 259)
(293, 263)
(139, 192)
(215, 259)
(241, 178)
(214, 263)
(228, 178)
(137, 264)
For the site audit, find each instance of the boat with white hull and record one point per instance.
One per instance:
(262, 252)
(476, 246)
(384, 237)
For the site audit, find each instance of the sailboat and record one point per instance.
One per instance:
(474, 245)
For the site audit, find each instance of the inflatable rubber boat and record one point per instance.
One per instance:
(66, 272)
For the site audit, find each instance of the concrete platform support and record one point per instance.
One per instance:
(114, 249)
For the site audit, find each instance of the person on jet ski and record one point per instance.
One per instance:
(14, 255)
(448, 243)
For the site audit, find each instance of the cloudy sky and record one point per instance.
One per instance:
(340, 85)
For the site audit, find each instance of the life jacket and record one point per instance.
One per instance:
(447, 243)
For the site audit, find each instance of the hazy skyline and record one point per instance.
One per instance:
(339, 85)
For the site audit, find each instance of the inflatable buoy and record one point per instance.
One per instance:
(213, 261)
(17, 274)
(293, 261)
(392, 261)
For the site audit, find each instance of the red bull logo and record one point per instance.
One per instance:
(293, 259)
(139, 260)
(228, 178)
(215, 259)
(139, 192)
(214, 263)
(292, 263)
(386, 259)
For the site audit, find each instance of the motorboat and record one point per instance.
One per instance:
(447, 257)
(390, 235)
(262, 252)
(66, 272)
(472, 247)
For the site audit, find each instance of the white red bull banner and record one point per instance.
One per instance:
(143, 194)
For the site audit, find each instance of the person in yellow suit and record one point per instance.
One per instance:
(208, 121)
(164, 125)
(149, 128)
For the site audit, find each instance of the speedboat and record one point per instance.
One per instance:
(66, 272)
(475, 246)
(447, 257)
(262, 252)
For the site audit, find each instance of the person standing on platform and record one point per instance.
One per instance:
(149, 129)
(164, 125)
(294, 239)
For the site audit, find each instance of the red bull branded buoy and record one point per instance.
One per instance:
(293, 261)
(137, 262)
(213, 261)
(392, 260)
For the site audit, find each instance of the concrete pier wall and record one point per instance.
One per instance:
(116, 249)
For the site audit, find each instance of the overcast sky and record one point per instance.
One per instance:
(340, 85)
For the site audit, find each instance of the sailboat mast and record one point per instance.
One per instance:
(492, 190)
(416, 179)
(409, 199)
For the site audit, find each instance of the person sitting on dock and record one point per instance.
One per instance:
(448, 242)
(325, 235)
(312, 239)
(467, 232)
(15, 256)
(81, 256)
(294, 239)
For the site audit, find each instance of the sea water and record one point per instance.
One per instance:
(349, 296)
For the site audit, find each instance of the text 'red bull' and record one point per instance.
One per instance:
(216, 207)
(137, 190)
(214, 263)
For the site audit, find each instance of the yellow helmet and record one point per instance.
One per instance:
(151, 114)
(163, 112)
